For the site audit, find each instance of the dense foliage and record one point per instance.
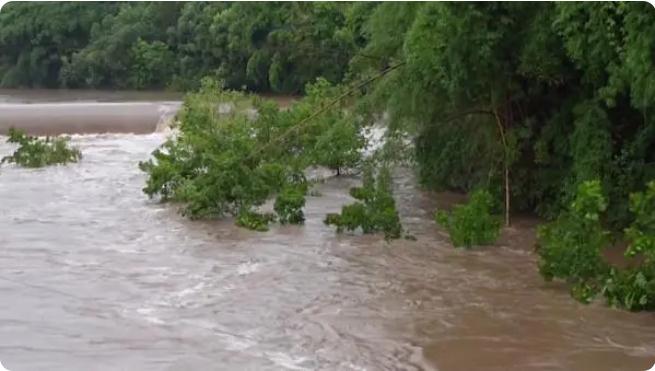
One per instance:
(570, 247)
(289, 203)
(634, 288)
(253, 220)
(35, 152)
(530, 101)
(260, 46)
(375, 208)
(552, 94)
(207, 165)
(473, 223)
(233, 152)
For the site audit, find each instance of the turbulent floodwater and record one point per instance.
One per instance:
(93, 276)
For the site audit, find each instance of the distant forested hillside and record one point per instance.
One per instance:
(272, 47)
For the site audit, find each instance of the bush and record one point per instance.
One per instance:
(375, 210)
(289, 203)
(255, 221)
(472, 223)
(570, 247)
(34, 152)
(641, 232)
(634, 288)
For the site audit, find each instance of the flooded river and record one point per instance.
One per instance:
(94, 276)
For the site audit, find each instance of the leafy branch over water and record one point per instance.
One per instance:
(34, 152)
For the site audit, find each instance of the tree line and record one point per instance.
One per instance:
(263, 47)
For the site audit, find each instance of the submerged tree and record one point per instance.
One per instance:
(35, 152)
(227, 161)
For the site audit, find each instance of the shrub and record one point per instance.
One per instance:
(570, 247)
(375, 210)
(289, 203)
(472, 223)
(634, 288)
(352, 216)
(34, 152)
(255, 221)
(641, 232)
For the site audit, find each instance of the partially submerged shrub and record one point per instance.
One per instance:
(35, 152)
(375, 210)
(641, 233)
(634, 288)
(289, 203)
(570, 247)
(255, 221)
(473, 223)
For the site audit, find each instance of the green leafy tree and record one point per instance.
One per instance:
(339, 147)
(153, 64)
(226, 161)
(570, 247)
(36, 39)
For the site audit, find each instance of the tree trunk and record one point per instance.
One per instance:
(507, 195)
(501, 130)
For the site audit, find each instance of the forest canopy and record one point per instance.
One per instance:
(272, 47)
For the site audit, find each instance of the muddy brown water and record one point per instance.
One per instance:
(54, 112)
(94, 276)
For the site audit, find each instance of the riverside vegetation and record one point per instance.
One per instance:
(545, 108)
(35, 152)
(231, 162)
